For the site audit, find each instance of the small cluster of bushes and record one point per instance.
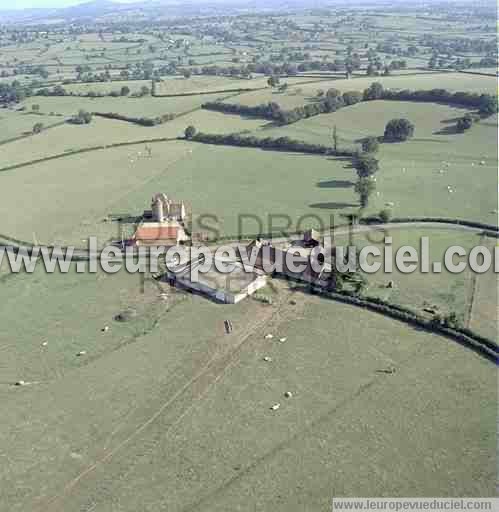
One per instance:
(143, 121)
(464, 123)
(83, 117)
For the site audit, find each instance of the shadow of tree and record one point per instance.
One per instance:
(124, 218)
(335, 184)
(333, 205)
(448, 130)
(450, 121)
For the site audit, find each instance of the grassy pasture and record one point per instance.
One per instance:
(212, 441)
(14, 124)
(146, 106)
(107, 87)
(421, 189)
(482, 314)
(301, 94)
(197, 84)
(75, 193)
(418, 290)
(69, 137)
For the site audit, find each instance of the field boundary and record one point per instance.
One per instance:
(201, 93)
(489, 229)
(476, 342)
(31, 134)
(86, 150)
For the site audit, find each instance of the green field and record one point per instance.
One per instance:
(313, 185)
(134, 107)
(14, 124)
(93, 185)
(102, 131)
(409, 172)
(190, 406)
(443, 292)
(121, 393)
(300, 94)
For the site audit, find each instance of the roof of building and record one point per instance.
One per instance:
(156, 231)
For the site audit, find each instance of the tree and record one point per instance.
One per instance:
(38, 127)
(190, 131)
(273, 81)
(335, 139)
(352, 97)
(365, 187)
(464, 123)
(385, 215)
(144, 90)
(366, 165)
(333, 93)
(398, 130)
(187, 73)
(83, 117)
(125, 91)
(35, 108)
(370, 145)
(488, 105)
(374, 92)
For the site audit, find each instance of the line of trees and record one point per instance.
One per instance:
(143, 121)
(333, 100)
(59, 90)
(485, 103)
(280, 143)
(271, 110)
(13, 92)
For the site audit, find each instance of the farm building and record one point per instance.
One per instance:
(228, 288)
(163, 223)
(270, 257)
(160, 234)
(163, 208)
